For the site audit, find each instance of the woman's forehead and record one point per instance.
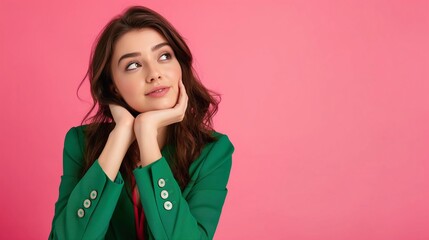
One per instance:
(142, 40)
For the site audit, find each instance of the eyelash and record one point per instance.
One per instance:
(168, 55)
(126, 69)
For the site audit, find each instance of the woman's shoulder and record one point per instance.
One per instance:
(80, 130)
(215, 155)
(74, 140)
(76, 132)
(220, 147)
(220, 139)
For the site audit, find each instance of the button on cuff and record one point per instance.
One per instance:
(161, 182)
(168, 205)
(87, 203)
(80, 213)
(164, 194)
(93, 194)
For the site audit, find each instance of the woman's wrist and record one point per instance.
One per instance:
(148, 146)
(123, 133)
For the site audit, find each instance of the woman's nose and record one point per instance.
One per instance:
(153, 74)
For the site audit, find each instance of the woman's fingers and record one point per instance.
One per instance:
(121, 115)
(165, 117)
(182, 102)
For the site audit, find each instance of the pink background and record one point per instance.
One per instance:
(326, 103)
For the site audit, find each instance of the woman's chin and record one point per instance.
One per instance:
(157, 107)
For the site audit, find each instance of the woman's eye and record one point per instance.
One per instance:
(132, 66)
(165, 56)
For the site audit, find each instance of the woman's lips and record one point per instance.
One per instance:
(158, 92)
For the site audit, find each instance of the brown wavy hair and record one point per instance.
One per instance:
(187, 137)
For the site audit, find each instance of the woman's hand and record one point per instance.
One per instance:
(151, 121)
(121, 116)
(147, 125)
(118, 142)
(124, 122)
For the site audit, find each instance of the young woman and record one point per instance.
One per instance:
(149, 164)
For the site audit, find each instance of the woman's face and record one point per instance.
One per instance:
(145, 70)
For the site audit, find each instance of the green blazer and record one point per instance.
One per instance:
(94, 207)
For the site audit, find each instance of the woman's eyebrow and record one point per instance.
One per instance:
(128, 55)
(135, 54)
(159, 45)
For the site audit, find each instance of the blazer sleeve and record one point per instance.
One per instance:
(85, 204)
(171, 216)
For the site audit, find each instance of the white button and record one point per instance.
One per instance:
(93, 194)
(161, 182)
(168, 205)
(164, 194)
(80, 212)
(87, 203)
